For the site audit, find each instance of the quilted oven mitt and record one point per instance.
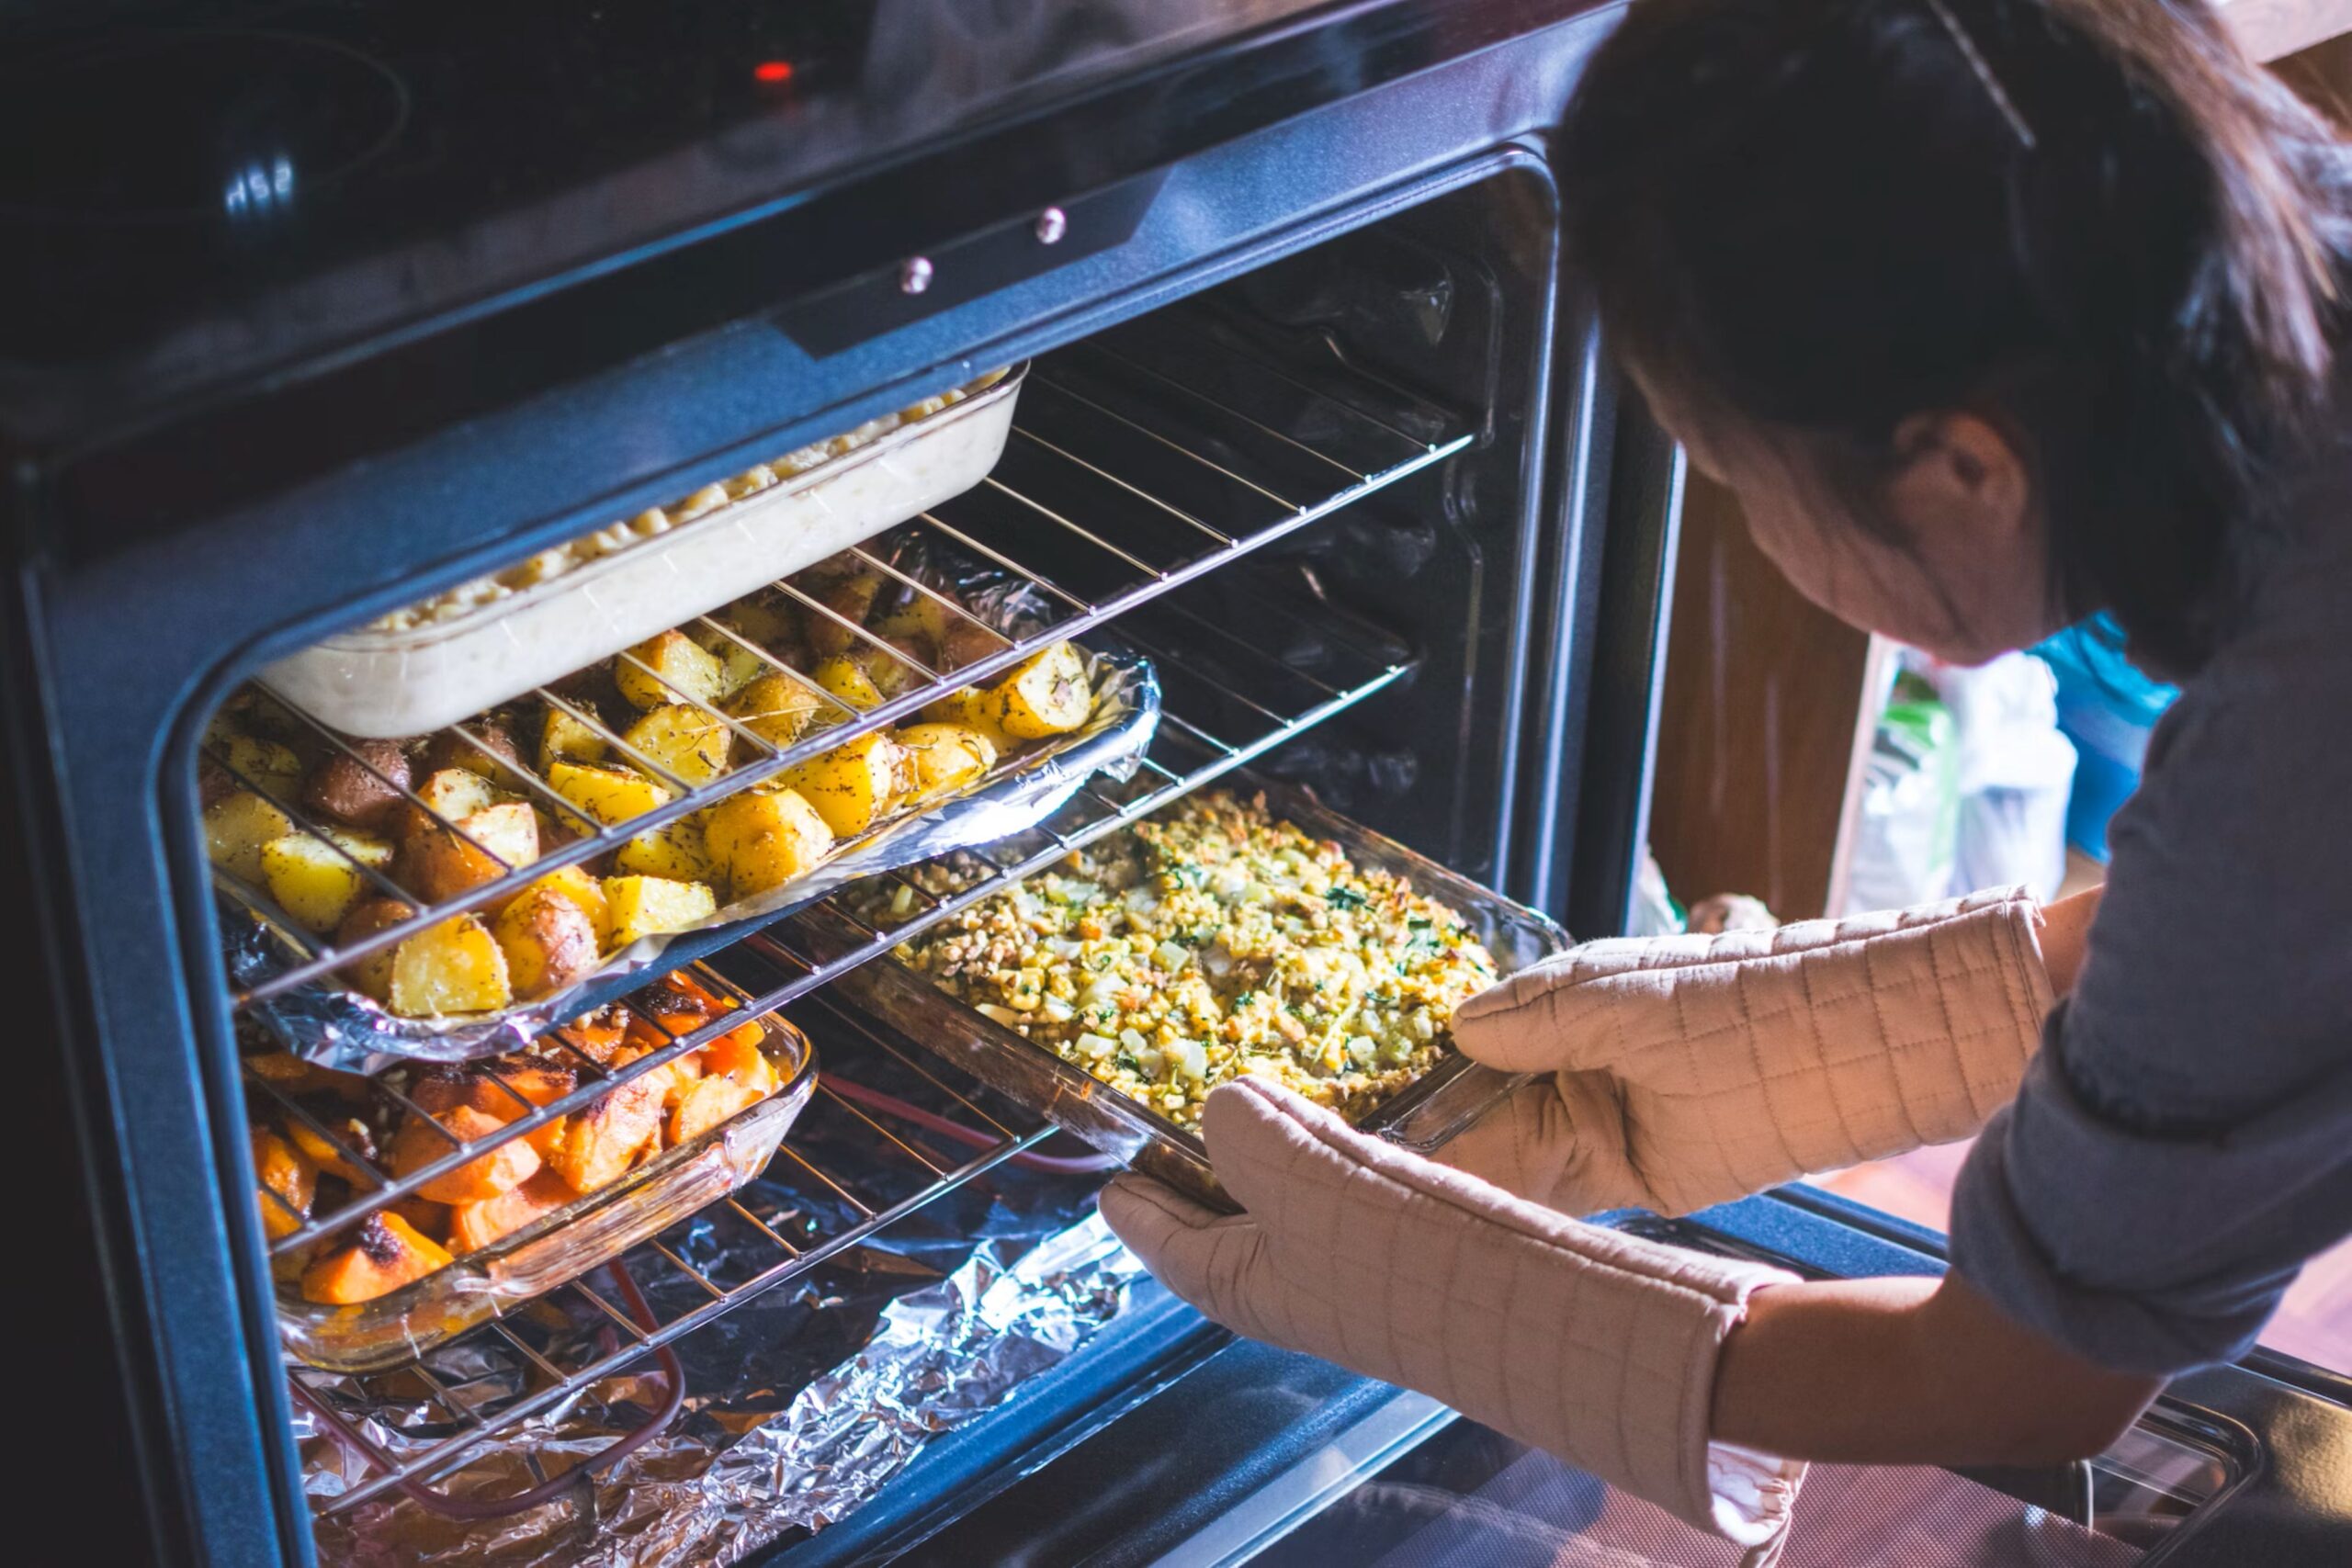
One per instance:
(1598, 1346)
(1690, 1070)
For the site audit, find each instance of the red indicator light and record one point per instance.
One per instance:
(773, 70)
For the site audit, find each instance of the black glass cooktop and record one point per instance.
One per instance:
(192, 193)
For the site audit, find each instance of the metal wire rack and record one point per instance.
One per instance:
(1146, 454)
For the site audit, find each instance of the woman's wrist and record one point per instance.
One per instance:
(2063, 927)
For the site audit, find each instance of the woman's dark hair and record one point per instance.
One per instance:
(2091, 221)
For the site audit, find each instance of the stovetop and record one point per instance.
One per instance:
(194, 193)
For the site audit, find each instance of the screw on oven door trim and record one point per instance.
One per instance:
(1052, 224)
(914, 275)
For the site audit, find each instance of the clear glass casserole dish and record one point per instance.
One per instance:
(1423, 1116)
(566, 1242)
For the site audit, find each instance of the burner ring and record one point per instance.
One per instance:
(186, 125)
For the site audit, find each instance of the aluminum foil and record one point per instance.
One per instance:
(343, 1029)
(761, 1447)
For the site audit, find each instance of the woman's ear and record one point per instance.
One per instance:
(1960, 482)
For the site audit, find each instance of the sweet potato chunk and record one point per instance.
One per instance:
(476, 1225)
(389, 1253)
(713, 1098)
(504, 1168)
(479, 1089)
(289, 1182)
(606, 1139)
(326, 1157)
(737, 1054)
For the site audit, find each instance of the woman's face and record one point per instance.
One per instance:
(1959, 571)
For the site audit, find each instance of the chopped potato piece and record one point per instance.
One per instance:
(737, 666)
(847, 680)
(850, 598)
(685, 741)
(710, 1102)
(853, 784)
(550, 941)
(453, 967)
(440, 864)
(575, 883)
(764, 840)
(264, 765)
(675, 852)
(645, 906)
(500, 1089)
(481, 746)
(372, 975)
(609, 796)
(475, 1225)
(361, 789)
(777, 708)
(322, 1153)
(945, 756)
(921, 619)
(894, 671)
(318, 882)
(389, 1253)
(564, 739)
(505, 1165)
(737, 1054)
(1046, 694)
(604, 1139)
(236, 828)
(976, 711)
(667, 669)
(289, 1182)
(450, 795)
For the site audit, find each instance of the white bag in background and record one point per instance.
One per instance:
(2015, 773)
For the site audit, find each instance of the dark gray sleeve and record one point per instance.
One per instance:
(2183, 1141)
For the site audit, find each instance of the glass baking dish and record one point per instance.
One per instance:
(1422, 1117)
(565, 1244)
(385, 684)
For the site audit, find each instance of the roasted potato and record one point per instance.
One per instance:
(944, 758)
(643, 906)
(604, 1139)
(236, 828)
(550, 942)
(1046, 694)
(500, 1089)
(331, 1160)
(503, 1167)
(850, 598)
(483, 746)
(362, 789)
(371, 976)
(475, 1225)
(667, 669)
(685, 741)
(575, 883)
(317, 882)
(389, 1253)
(263, 765)
(609, 796)
(853, 785)
(676, 851)
(439, 864)
(847, 680)
(778, 708)
(706, 1103)
(976, 711)
(965, 642)
(456, 966)
(894, 672)
(772, 623)
(295, 1076)
(289, 1182)
(737, 1054)
(564, 739)
(737, 666)
(921, 619)
(765, 839)
(450, 795)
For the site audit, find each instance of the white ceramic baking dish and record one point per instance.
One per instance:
(390, 683)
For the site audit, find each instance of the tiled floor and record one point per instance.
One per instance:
(2315, 1322)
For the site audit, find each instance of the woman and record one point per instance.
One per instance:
(1995, 313)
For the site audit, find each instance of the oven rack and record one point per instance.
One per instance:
(1140, 450)
(1207, 668)
(1201, 662)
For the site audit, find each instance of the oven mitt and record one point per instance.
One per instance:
(1597, 1346)
(1690, 1070)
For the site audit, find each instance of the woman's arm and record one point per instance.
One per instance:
(1912, 1371)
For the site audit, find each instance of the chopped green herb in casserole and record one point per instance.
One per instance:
(1212, 942)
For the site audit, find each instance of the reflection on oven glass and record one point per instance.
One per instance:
(1469, 1496)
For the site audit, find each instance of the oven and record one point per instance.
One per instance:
(342, 307)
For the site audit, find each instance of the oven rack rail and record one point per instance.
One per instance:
(1093, 434)
(1205, 666)
(876, 1195)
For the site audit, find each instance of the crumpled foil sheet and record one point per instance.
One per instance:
(790, 1421)
(342, 1029)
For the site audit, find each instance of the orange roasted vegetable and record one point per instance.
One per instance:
(388, 1255)
(506, 1166)
(474, 1226)
(326, 1157)
(737, 1054)
(480, 1089)
(295, 1076)
(289, 1182)
(604, 1140)
(710, 1102)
